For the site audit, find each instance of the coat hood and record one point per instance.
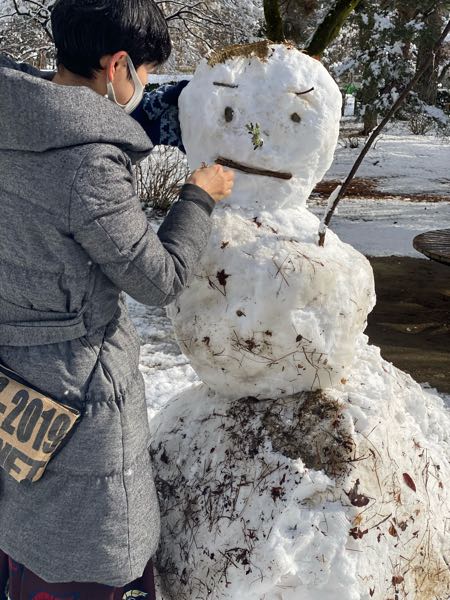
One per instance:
(37, 115)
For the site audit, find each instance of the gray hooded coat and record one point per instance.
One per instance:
(73, 238)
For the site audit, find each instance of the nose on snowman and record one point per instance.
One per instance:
(255, 131)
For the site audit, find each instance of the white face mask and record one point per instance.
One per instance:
(138, 90)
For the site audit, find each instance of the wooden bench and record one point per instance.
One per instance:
(434, 245)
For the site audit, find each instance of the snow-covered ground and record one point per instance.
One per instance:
(166, 371)
(400, 163)
(385, 227)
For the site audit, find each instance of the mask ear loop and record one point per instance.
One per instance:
(139, 89)
(111, 95)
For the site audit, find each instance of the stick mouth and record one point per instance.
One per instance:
(226, 162)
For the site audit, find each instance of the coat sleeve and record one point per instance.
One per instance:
(107, 220)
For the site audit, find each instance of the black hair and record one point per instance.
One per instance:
(86, 30)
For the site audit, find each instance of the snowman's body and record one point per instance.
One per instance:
(270, 313)
(270, 490)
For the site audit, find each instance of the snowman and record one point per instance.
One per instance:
(303, 466)
(269, 313)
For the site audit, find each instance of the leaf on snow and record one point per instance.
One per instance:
(355, 498)
(357, 533)
(409, 482)
(393, 531)
(222, 277)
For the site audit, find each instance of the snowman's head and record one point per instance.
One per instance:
(267, 110)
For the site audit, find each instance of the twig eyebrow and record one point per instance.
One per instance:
(229, 85)
(301, 93)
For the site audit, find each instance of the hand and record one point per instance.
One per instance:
(216, 181)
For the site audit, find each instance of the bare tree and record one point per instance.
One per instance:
(36, 12)
(197, 26)
(159, 179)
(200, 27)
(24, 39)
(191, 23)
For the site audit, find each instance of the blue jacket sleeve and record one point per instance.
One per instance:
(158, 115)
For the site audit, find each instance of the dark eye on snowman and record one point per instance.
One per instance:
(296, 118)
(229, 114)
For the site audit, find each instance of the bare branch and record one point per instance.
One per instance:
(192, 16)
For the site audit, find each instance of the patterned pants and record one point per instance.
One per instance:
(18, 583)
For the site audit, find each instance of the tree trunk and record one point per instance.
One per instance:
(300, 19)
(369, 88)
(427, 86)
(370, 120)
(330, 27)
(274, 23)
